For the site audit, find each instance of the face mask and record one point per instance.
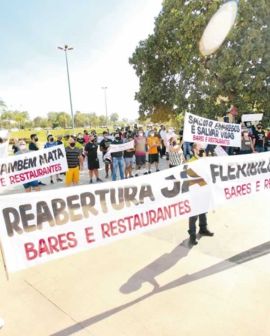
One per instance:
(117, 137)
(174, 143)
(72, 144)
(140, 134)
(22, 147)
(201, 153)
(36, 139)
(51, 139)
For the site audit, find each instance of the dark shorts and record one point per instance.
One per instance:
(153, 158)
(31, 184)
(93, 164)
(140, 160)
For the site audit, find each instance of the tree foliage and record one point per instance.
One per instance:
(174, 77)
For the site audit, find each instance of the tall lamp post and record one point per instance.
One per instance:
(104, 88)
(66, 48)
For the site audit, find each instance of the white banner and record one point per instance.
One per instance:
(23, 168)
(199, 129)
(53, 224)
(121, 147)
(252, 117)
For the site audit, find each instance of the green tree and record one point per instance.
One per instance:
(174, 77)
(114, 117)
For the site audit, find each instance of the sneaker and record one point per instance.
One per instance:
(59, 180)
(52, 182)
(91, 181)
(107, 176)
(99, 180)
(149, 172)
(193, 241)
(136, 175)
(206, 232)
(41, 183)
(145, 173)
(157, 170)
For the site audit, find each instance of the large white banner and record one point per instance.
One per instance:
(199, 129)
(53, 224)
(23, 168)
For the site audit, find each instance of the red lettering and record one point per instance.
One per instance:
(31, 252)
(105, 229)
(89, 234)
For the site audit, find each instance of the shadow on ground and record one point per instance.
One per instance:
(156, 268)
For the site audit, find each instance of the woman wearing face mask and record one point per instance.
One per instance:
(176, 156)
(52, 143)
(33, 184)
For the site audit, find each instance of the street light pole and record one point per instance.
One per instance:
(104, 88)
(65, 49)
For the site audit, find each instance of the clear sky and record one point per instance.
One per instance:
(104, 33)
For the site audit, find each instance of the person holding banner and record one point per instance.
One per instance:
(32, 184)
(197, 153)
(118, 160)
(246, 143)
(104, 146)
(259, 139)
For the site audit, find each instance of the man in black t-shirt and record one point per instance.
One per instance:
(104, 145)
(259, 139)
(93, 163)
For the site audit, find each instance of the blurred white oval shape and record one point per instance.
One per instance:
(218, 28)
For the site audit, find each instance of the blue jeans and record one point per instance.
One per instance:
(187, 151)
(118, 162)
(259, 149)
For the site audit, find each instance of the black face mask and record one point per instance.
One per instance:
(117, 137)
(174, 143)
(201, 153)
(51, 139)
(36, 139)
(72, 145)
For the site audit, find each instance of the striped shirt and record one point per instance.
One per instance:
(176, 158)
(73, 156)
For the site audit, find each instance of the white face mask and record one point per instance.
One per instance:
(140, 134)
(22, 147)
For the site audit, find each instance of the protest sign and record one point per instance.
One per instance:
(252, 117)
(199, 129)
(121, 147)
(30, 166)
(53, 224)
